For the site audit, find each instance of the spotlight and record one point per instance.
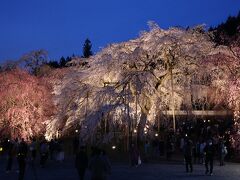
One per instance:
(76, 131)
(113, 147)
(186, 135)
(156, 134)
(145, 132)
(208, 120)
(135, 131)
(1, 149)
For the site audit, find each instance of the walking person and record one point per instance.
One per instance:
(98, 166)
(188, 153)
(10, 155)
(33, 149)
(52, 149)
(134, 155)
(201, 150)
(222, 153)
(43, 153)
(147, 151)
(75, 144)
(81, 162)
(21, 157)
(106, 160)
(209, 155)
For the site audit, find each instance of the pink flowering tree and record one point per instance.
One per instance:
(224, 68)
(25, 104)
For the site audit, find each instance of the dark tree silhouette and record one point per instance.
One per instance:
(87, 52)
(62, 62)
(53, 64)
(228, 32)
(68, 59)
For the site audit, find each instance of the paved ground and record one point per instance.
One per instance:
(121, 171)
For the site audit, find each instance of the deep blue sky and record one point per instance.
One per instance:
(61, 26)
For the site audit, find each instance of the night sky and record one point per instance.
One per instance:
(61, 26)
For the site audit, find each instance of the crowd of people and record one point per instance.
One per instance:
(39, 152)
(25, 152)
(204, 143)
(98, 163)
(200, 148)
(206, 152)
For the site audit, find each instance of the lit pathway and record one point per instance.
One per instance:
(121, 171)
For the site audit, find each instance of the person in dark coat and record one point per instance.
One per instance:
(98, 166)
(33, 149)
(75, 145)
(209, 155)
(81, 162)
(10, 155)
(44, 149)
(21, 157)
(222, 152)
(188, 152)
(134, 155)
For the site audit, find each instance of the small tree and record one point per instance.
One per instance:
(87, 52)
(34, 60)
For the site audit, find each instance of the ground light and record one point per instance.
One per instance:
(156, 134)
(113, 147)
(76, 131)
(135, 131)
(1, 149)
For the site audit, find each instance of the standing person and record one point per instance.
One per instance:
(197, 147)
(222, 153)
(98, 167)
(43, 153)
(10, 155)
(146, 150)
(60, 151)
(134, 155)
(21, 157)
(201, 149)
(106, 160)
(188, 152)
(33, 149)
(170, 149)
(51, 149)
(209, 153)
(75, 144)
(81, 162)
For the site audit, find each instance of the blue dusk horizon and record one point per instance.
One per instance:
(61, 26)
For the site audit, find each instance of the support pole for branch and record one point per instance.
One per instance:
(173, 102)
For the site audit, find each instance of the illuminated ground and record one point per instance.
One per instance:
(121, 171)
